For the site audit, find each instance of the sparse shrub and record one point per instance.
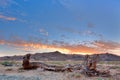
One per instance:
(9, 69)
(99, 79)
(76, 75)
(6, 63)
(21, 69)
(115, 67)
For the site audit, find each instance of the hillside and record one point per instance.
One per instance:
(57, 56)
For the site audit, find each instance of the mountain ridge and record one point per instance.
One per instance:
(58, 56)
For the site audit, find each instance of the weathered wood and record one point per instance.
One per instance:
(88, 68)
(26, 64)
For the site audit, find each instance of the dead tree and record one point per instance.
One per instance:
(89, 68)
(26, 63)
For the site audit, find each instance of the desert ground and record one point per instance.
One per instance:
(15, 72)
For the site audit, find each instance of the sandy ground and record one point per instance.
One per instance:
(15, 73)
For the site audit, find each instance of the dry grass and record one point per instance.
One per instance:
(14, 70)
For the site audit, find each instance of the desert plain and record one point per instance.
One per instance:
(15, 72)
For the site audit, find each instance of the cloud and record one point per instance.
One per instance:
(92, 33)
(106, 44)
(79, 48)
(43, 32)
(65, 3)
(90, 25)
(63, 36)
(6, 3)
(7, 18)
(87, 48)
(56, 45)
(82, 32)
(6, 6)
(71, 30)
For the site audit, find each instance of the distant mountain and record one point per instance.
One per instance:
(109, 57)
(58, 56)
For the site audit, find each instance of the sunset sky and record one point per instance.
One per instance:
(68, 26)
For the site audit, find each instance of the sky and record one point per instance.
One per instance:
(68, 26)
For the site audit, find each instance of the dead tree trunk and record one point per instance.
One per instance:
(89, 68)
(90, 64)
(26, 63)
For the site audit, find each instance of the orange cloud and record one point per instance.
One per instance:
(7, 18)
(80, 48)
(94, 47)
(108, 46)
